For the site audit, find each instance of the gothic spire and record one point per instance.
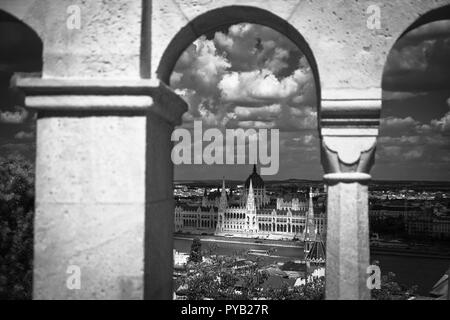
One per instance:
(250, 197)
(223, 196)
(224, 191)
(310, 225)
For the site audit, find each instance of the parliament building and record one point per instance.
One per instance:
(254, 214)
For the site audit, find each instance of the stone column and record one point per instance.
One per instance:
(349, 122)
(103, 188)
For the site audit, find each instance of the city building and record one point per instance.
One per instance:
(193, 219)
(254, 214)
(429, 226)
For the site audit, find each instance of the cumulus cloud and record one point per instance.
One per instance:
(401, 95)
(410, 142)
(265, 113)
(256, 86)
(200, 67)
(419, 61)
(394, 126)
(19, 116)
(248, 77)
(254, 47)
(23, 135)
(430, 31)
(443, 124)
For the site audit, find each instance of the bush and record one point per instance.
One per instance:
(196, 251)
(392, 290)
(16, 227)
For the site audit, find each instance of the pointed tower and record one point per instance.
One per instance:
(223, 204)
(315, 258)
(205, 199)
(310, 225)
(252, 226)
(250, 198)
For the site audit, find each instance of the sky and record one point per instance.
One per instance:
(250, 76)
(414, 139)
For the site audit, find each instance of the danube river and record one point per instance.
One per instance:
(410, 270)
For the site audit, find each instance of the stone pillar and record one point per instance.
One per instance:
(349, 122)
(103, 188)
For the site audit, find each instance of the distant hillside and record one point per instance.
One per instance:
(374, 185)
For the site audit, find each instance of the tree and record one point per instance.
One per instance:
(16, 227)
(196, 251)
(392, 290)
(312, 290)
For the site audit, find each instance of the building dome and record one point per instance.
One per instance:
(257, 181)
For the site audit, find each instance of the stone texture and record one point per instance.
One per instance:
(338, 27)
(347, 241)
(90, 206)
(159, 226)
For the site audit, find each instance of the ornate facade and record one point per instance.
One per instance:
(253, 214)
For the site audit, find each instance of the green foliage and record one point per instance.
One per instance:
(312, 290)
(392, 290)
(216, 279)
(16, 227)
(196, 251)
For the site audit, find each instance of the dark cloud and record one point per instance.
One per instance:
(414, 140)
(252, 77)
(18, 116)
(420, 60)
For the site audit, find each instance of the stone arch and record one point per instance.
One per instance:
(436, 14)
(225, 16)
(440, 13)
(433, 15)
(21, 47)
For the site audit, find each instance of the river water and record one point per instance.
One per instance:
(409, 270)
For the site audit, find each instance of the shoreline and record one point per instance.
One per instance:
(289, 244)
(236, 240)
(407, 253)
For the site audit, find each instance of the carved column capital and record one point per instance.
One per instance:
(103, 96)
(349, 124)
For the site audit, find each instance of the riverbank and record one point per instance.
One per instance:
(406, 252)
(409, 253)
(244, 241)
(410, 268)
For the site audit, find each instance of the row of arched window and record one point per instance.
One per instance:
(272, 227)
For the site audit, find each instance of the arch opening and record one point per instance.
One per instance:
(223, 18)
(412, 158)
(243, 68)
(20, 52)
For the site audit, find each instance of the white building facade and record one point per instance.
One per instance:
(254, 216)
